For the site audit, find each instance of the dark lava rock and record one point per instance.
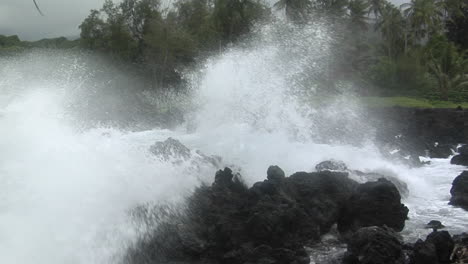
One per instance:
(268, 223)
(272, 221)
(460, 251)
(443, 243)
(424, 253)
(374, 204)
(372, 176)
(463, 150)
(372, 245)
(459, 191)
(174, 151)
(437, 249)
(275, 173)
(435, 225)
(170, 148)
(460, 160)
(331, 165)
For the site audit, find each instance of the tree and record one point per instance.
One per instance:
(447, 65)
(457, 28)
(92, 31)
(392, 26)
(331, 8)
(195, 16)
(376, 7)
(233, 18)
(296, 10)
(358, 13)
(424, 17)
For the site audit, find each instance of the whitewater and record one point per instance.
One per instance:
(74, 142)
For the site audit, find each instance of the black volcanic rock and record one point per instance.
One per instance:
(459, 191)
(463, 150)
(424, 253)
(374, 204)
(372, 245)
(270, 222)
(460, 160)
(331, 165)
(437, 249)
(443, 243)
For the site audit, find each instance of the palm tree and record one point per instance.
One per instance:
(392, 27)
(375, 7)
(358, 13)
(334, 8)
(424, 16)
(296, 10)
(448, 66)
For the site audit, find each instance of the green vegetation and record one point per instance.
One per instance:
(14, 44)
(409, 102)
(417, 50)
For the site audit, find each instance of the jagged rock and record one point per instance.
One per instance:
(435, 225)
(424, 253)
(460, 251)
(443, 243)
(331, 165)
(267, 223)
(374, 204)
(437, 249)
(372, 176)
(459, 191)
(463, 150)
(460, 160)
(172, 150)
(275, 173)
(372, 245)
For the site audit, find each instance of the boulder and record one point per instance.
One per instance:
(435, 225)
(437, 249)
(460, 251)
(463, 150)
(272, 221)
(460, 160)
(331, 165)
(443, 244)
(373, 176)
(459, 191)
(172, 150)
(275, 173)
(372, 245)
(374, 204)
(424, 253)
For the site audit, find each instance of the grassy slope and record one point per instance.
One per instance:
(409, 102)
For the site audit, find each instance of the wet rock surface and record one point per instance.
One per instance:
(365, 207)
(372, 245)
(270, 222)
(172, 150)
(459, 191)
(362, 177)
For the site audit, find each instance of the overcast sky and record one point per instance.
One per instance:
(62, 17)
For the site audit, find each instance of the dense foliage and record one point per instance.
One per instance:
(419, 48)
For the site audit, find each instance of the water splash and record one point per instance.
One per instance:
(66, 190)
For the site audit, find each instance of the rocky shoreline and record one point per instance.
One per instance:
(275, 221)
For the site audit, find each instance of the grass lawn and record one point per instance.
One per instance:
(409, 102)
